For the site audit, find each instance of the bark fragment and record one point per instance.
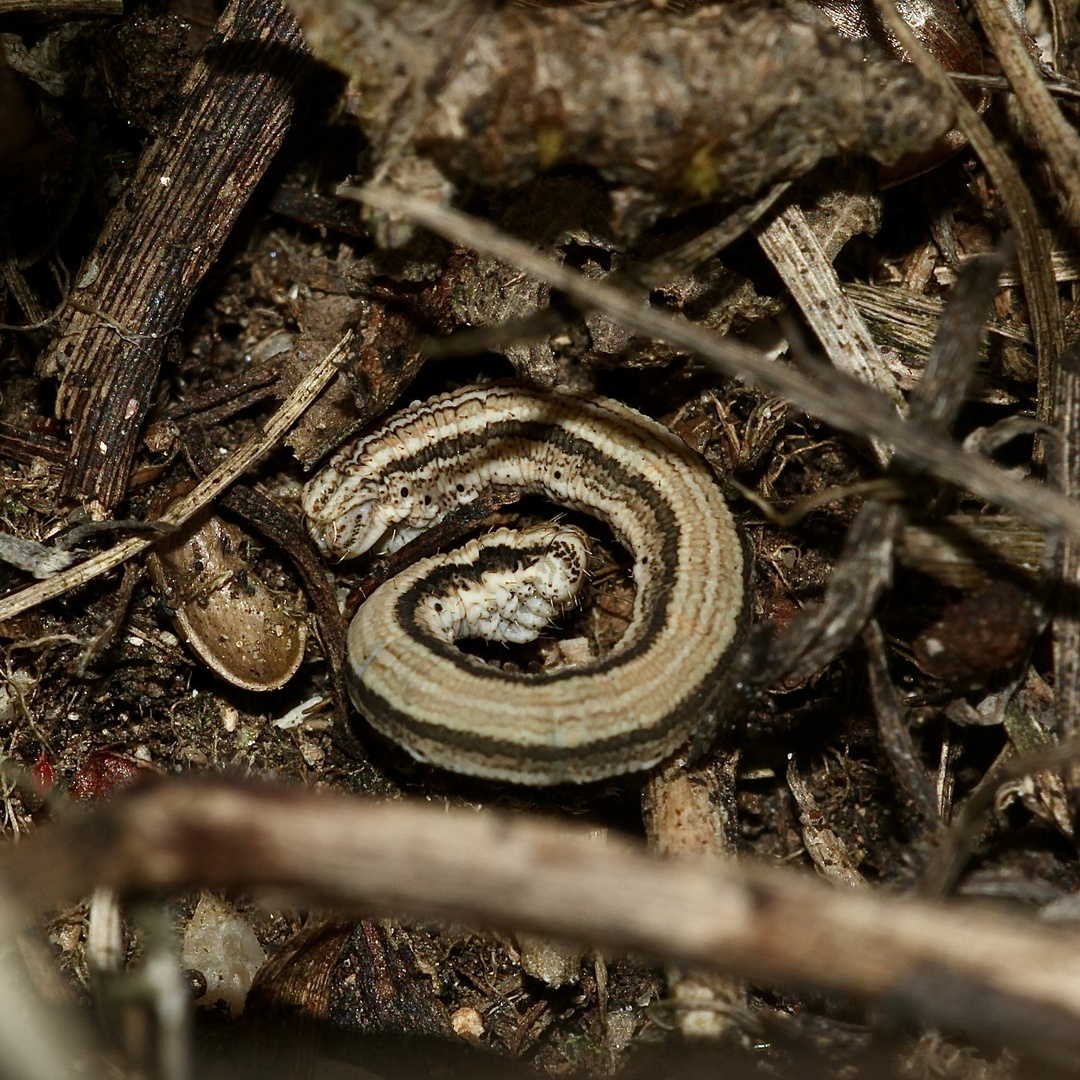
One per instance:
(162, 237)
(717, 103)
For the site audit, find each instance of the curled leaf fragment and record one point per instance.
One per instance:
(242, 630)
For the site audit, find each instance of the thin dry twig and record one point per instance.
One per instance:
(1033, 247)
(828, 851)
(36, 1043)
(207, 490)
(893, 729)
(705, 245)
(865, 567)
(1000, 83)
(828, 394)
(862, 573)
(77, 9)
(1058, 139)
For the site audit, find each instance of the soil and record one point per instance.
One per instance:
(105, 685)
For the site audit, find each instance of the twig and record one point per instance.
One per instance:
(238, 463)
(861, 575)
(968, 551)
(827, 850)
(864, 569)
(893, 730)
(103, 638)
(705, 245)
(35, 1043)
(78, 9)
(512, 872)
(1033, 248)
(556, 316)
(1066, 600)
(909, 320)
(999, 82)
(1059, 140)
(828, 394)
(692, 810)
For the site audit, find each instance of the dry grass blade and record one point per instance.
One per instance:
(789, 242)
(207, 490)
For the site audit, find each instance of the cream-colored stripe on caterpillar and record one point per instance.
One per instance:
(619, 714)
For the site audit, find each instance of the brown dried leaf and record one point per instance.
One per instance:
(242, 631)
